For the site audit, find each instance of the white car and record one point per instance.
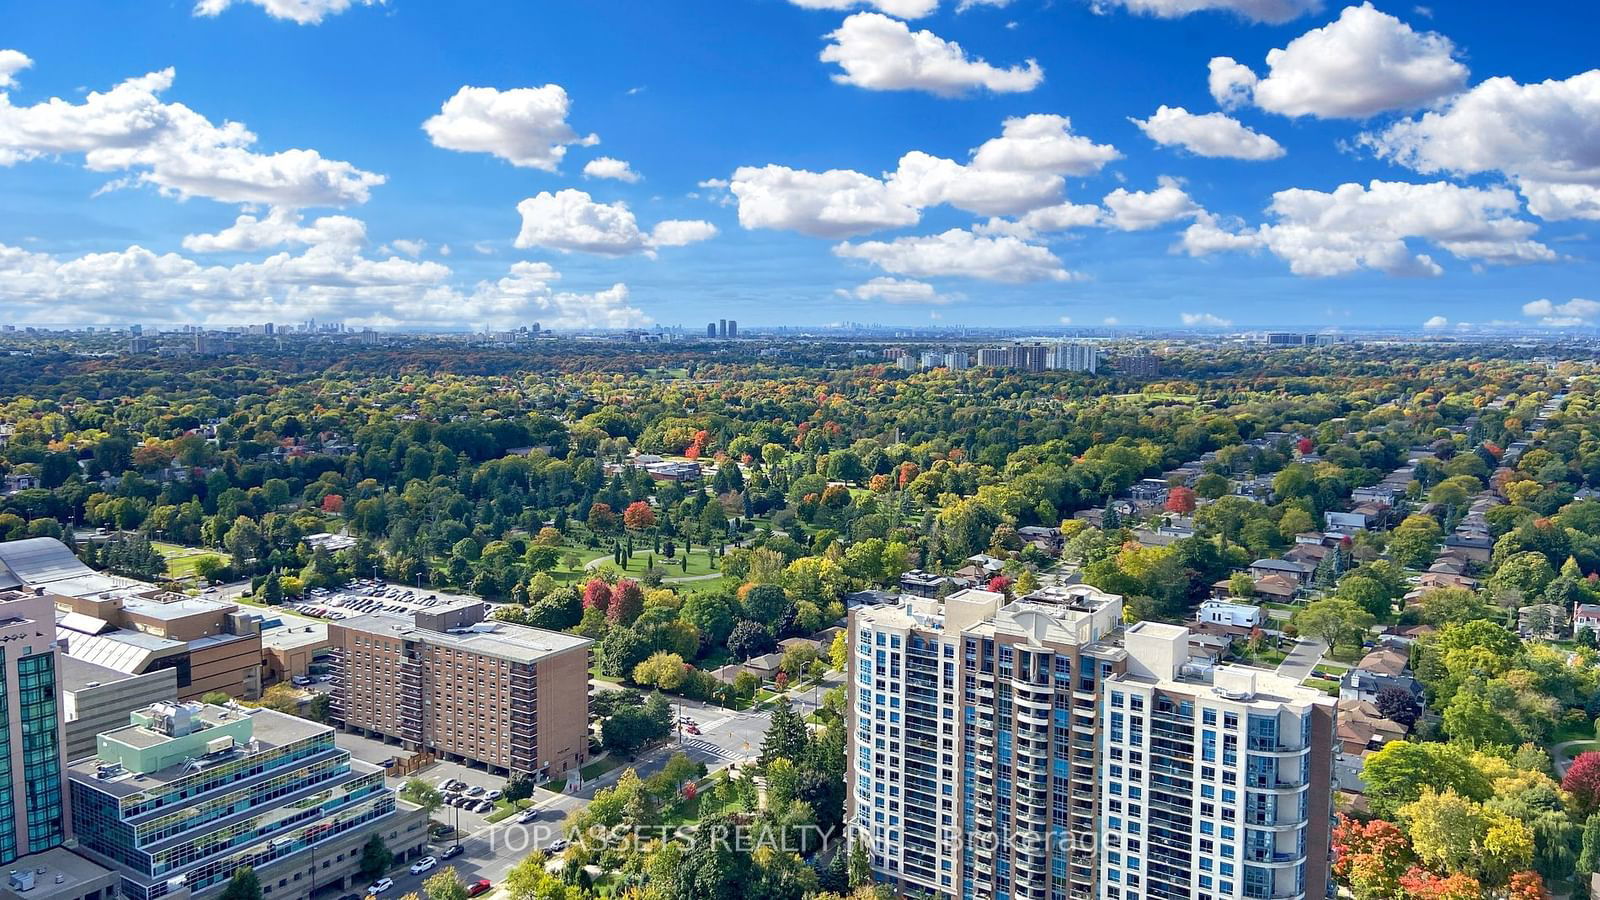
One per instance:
(423, 865)
(494, 795)
(381, 885)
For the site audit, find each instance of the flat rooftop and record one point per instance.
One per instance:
(515, 643)
(269, 730)
(75, 674)
(75, 872)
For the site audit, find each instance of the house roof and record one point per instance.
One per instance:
(1279, 585)
(1282, 565)
(1385, 661)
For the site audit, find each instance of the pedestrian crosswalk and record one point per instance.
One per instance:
(709, 749)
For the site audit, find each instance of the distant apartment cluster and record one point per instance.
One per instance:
(1040, 749)
(724, 329)
(1300, 339)
(1038, 356)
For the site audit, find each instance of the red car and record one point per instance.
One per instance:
(692, 729)
(478, 887)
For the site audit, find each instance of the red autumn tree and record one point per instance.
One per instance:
(908, 473)
(1000, 584)
(1305, 445)
(639, 516)
(1582, 781)
(627, 602)
(1420, 884)
(1525, 886)
(597, 595)
(1180, 500)
(1370, 857)
(333, 503)
(880, 484)
(601, 517)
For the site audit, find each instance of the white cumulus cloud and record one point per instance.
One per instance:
(1274, 11)
(1563, 315)
(1363, 63)
(570, 220)
(303, 12)
(607, 167)
(1205, 320)
(1370, 226)
(278, 227)
(960, 254)
(173, 148)
(1436, 323)
(1018, 171)
(905, 9)
(831, 204)
(883, 54)
(897, 290)
(1545, 137)
(1212, 134)
(527, 127)
(12, 62)
(1140, 210)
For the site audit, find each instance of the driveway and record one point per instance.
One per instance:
(1302, 660)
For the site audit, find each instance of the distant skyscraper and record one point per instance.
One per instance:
(722, 327)
(711, 329)
(733, 328)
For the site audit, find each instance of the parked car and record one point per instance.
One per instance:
(478, 887)
(452, 851)
(388, 762)
(483, 806)
(558, 845)
(300, 681)
(476, 790)
(423, 865)
(381, 885)
(494, 795)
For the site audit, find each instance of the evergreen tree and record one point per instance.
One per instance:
(1589, 856)
(786, 736)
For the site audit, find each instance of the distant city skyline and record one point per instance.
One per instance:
(1116, 163)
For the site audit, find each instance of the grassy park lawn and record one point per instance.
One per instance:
(599, 767)
(181, 560)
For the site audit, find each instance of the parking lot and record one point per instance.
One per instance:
(377, 752)
(365, 596)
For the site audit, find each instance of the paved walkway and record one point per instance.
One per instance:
(1559, 754)
(1302, 660)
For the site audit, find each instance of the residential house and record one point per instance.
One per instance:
(1542, 620)
(1279, 588)
(1298, 572)
(1587, 615)
(1150, 490)
(1223, 612)
(1047, 539)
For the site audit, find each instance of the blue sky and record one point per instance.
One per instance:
(798, 189)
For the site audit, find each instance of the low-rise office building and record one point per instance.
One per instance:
(137, 628)
(187, 793)
(95, 698)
